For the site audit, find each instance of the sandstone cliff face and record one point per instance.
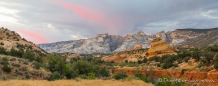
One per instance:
(104, 43)
(159, 47)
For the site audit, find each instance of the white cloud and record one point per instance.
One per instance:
(5, 15)
(7, 19)
(209, 13)
(74, 36)
(56, 23)
(7, 11)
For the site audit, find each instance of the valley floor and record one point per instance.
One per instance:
(73, 83)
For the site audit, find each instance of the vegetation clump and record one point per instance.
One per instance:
(119, 76)
(5, 67)
(141, 77)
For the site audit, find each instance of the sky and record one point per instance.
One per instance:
(47, 21)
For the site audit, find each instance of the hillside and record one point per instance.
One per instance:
(10, 39)
(105, 43)
(21, 69)
(19, 58)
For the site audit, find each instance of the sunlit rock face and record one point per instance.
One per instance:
(160, 47)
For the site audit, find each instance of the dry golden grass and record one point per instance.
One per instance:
(73, 83)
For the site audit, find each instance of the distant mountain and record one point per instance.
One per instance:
(104, 43)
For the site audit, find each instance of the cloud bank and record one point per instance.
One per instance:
(44, 21)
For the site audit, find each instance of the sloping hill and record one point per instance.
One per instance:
(21, 69)
(19, 58)
(10, 39)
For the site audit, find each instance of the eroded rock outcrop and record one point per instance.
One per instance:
(160, 47)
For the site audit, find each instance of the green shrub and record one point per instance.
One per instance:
(144, 60)
(216, 65)
(214, 48)
(6, 68)
(112, 61)
(83, 76)
(29, 55)
(56, 63)
(139, 62)
(154, 58)
(91, 76)
(5, 61)
(119, 76)
(7, 33)
(175, 65)
(3, 50)
(133, 64)
(14, 52)
(1, 43)
(167, 65)
(196, 55)
(55, 76)
(82, 67)
(105, 72)
(126, 61)
(5, 65)
(141, 77)
(186, 59)
(37, 65)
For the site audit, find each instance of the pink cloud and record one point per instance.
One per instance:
(33, 35)
(95, 16)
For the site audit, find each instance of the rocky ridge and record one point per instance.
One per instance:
(105, 43)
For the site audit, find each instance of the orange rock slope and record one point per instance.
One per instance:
(190, 77)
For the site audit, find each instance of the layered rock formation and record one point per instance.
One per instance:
(104, 43)
(130, 55)
(160, 47)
